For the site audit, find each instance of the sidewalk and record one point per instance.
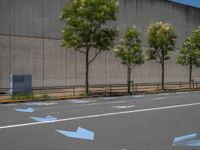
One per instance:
(56, 93)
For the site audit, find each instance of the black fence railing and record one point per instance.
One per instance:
(109, 89)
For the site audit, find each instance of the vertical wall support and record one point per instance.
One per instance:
(43, 43)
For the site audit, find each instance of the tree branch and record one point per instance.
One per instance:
(132, 67)
(97, 53)
(78, 50)
(157, 54)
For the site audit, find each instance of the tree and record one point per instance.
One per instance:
(86, 29)
(130, 52)
(161, 40)
(190, 53)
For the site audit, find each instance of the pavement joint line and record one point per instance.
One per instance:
(99, 115)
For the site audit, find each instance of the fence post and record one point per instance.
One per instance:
(136, 87)
(132, 85)
(110, 89)
(74, 90)
(193, 84)
(158, 86)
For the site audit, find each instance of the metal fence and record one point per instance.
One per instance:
(108, 89)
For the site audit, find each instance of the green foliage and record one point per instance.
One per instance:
(44, 96)
(86, 28)
(189, 55)
(161, 40)
(87, 94)
(196, 39)
(85, 24)
(23, 97)
(30, 97)
(129, 49)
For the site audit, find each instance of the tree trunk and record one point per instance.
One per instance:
(129, 78)
(190, 75)
(87, 74)
(163, 76)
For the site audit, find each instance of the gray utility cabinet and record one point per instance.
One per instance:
(20, 84)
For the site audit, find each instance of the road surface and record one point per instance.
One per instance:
(142, 122)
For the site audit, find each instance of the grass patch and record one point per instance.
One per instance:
(44, 96)
(30, 97)
(23, 97)
(85, 95)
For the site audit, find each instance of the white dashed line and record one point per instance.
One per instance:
(160, 98)
(163, 94)
(124, 107)
(138, 96)
(103, 103)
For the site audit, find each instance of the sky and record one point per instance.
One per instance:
(194, 3)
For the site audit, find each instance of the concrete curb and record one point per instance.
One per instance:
(38, 100)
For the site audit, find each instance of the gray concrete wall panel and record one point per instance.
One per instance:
(4, 16)
(26, 17)
(115, 71)
(97, 69)
(4, 62)
(71, 67)
(52, 23)
(35, 48)
(27, 58)
(54, 64)
(80, 69)
(147, 11)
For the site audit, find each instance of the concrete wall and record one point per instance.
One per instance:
(30, 43)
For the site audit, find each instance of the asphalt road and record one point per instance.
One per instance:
(144, 122)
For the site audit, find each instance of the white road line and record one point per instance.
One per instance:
(40, 103)
(78, 101)
(181, 93)
(138, 96)
(99, 115)
(124, 107)
(160, 98)
(80, 105)
(8, 105)
(110, 98)
(103, 103)
(163, 94)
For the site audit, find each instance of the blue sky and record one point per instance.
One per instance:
(194, 3)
